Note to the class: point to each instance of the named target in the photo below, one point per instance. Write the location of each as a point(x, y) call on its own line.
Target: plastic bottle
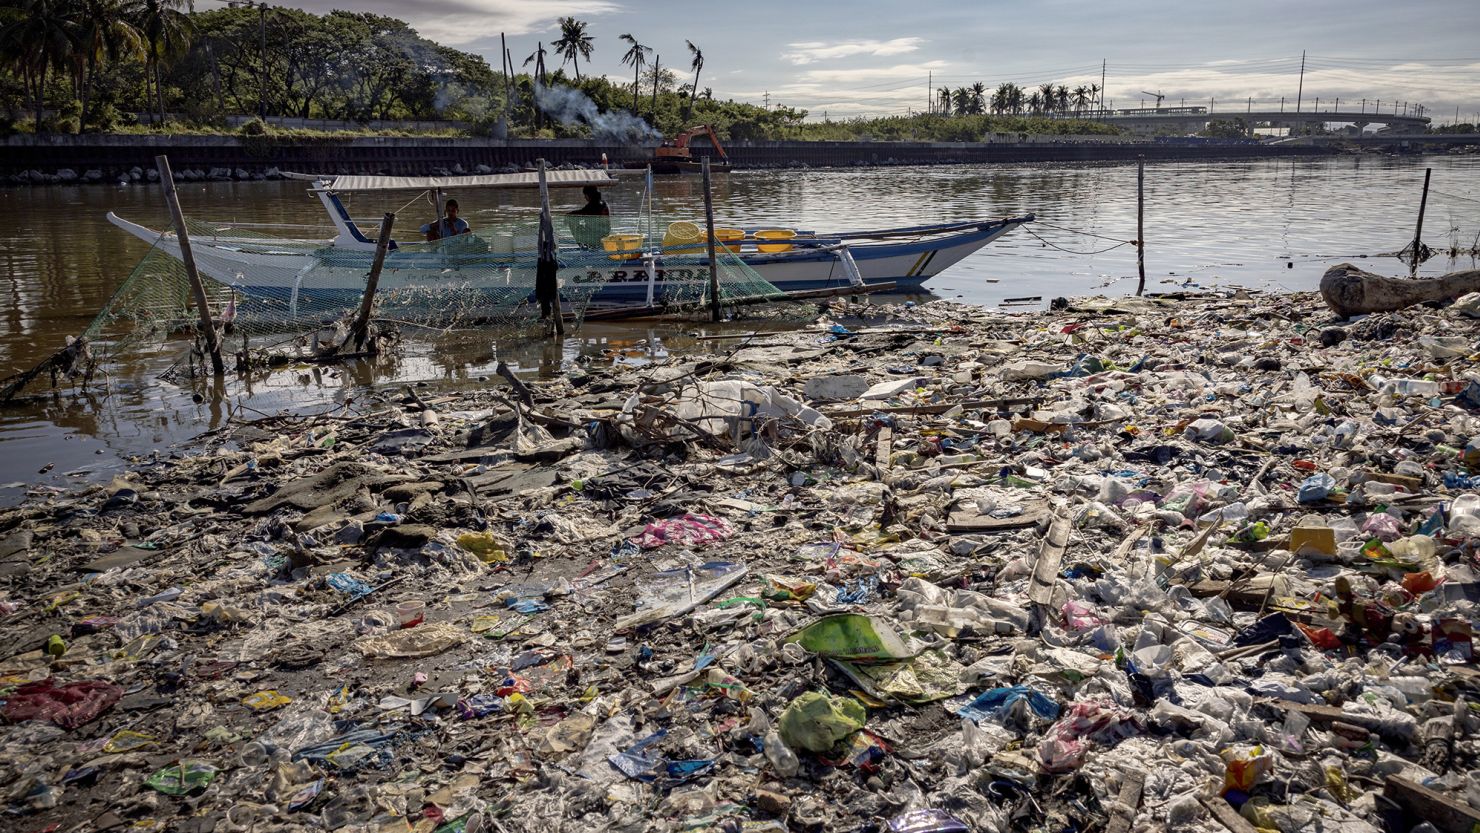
point(1414, 387)
point(782, 759)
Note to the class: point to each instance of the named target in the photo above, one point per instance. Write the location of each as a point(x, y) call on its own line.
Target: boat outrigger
point(624, 271)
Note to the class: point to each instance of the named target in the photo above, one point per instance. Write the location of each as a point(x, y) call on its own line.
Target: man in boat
point(450, 225)
point(592, 221)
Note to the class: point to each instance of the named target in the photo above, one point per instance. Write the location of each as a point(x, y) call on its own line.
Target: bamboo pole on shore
point(1141, 223)
point(361, 328)
point(713, 257)
point(197, 289)
point(1423, 203)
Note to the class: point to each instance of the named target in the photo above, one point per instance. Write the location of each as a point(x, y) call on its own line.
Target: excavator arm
point(682, 139)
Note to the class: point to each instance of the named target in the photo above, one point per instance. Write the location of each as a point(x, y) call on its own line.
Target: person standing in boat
point(450, 225)
point(592, 221)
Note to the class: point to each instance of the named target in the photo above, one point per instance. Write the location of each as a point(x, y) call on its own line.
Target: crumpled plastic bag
point(423, 641)
point(735, 407)
point(68, 706)
point(816, 721)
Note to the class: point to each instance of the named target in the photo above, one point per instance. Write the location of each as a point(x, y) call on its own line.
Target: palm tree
point(104, 33)
point(696, 64)
point(635, 57)
point(574, 43)
point(1000, 98)
point(167, 31)
point(38, 40)
point(1094, 94)
point(978, 98)
point(961, 98)
point(944, 96)
point(1061, 99)
point(1035, 103)
point(1045, 98)
point(1081, 99)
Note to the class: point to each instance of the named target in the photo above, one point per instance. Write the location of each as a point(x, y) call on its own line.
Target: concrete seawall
point(108, 157)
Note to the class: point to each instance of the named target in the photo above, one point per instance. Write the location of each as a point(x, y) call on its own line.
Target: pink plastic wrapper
point(1082, 726)
point(689, 530)
point(68, 706)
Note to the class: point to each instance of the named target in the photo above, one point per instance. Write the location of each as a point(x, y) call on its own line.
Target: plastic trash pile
point(1194, 564)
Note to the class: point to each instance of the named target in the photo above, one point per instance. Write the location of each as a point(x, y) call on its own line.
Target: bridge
point(1184, 120)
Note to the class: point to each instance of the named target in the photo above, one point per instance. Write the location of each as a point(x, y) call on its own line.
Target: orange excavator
point(674, 156)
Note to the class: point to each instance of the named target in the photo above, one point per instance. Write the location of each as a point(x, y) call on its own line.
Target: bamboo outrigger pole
point(198, 289)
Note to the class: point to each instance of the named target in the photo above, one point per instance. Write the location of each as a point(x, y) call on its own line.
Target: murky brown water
point(1207, 224)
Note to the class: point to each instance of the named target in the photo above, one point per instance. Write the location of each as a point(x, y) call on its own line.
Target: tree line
point(97, 65)
point(1047, 101)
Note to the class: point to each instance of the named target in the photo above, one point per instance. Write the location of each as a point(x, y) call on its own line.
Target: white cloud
point(809, 52)
point(459, 22)
point(871, 74)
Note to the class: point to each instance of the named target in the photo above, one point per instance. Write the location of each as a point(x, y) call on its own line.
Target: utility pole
point(766, 99)
point(1301, 91)
point(1103, 63)
point(930, 90)
point(657, 69)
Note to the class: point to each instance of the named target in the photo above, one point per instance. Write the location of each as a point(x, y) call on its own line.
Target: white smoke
point(569, 106)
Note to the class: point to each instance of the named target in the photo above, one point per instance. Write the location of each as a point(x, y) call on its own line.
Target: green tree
point(166, 31)
point(978, 98)
point(635, 57)
point(574, 43)
point(39, 40)
point(104, 34)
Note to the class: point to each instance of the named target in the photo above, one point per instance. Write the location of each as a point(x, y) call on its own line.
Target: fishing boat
point(634, 271)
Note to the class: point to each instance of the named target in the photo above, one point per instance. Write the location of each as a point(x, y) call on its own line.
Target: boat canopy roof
point(525, 179)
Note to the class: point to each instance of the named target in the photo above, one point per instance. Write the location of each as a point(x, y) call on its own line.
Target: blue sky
point(873, 58)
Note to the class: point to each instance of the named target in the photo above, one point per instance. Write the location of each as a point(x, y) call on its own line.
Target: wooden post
point(1418, 232)
point(1141, 223)
point(547, 227)
point(713, 256)
point(361, 328)
point(197, 289)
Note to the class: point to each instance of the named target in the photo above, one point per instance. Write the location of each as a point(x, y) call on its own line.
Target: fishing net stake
point(361, 327)
point(713, 258)
point(546, 281)
point(1140, 223)
point(198, 289)
point(1418, 246)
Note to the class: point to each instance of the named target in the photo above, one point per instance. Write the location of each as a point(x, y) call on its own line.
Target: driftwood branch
point(1350, 291)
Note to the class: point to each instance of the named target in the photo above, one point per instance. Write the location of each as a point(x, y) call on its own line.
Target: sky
point(874, 58)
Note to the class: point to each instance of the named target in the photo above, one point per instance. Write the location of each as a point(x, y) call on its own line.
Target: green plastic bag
point(817, 721)
point(852, 636)
point(181, 778)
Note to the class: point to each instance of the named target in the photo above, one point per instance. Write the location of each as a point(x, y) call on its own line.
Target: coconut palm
point(943, 101)
point(1045, 98)
point(978, 98)
point(635, 57)
point(1061, 99)
point(167, 31)
point(961, 99)
point(105, 32)
point(1094, 95)
point(574, 44)
point(696, 63)
point(38, 40)
point(1081, 99)
point(1035, 103)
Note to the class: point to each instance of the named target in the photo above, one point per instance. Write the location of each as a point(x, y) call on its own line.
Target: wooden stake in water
point(1423, 203)
point(197, 289)
point(713, 257)
point(1141, 223)
point(545, 261)
point(361, 328)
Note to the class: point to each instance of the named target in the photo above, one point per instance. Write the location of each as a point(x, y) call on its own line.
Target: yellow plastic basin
point(729, 238)
point(775, 234)
point(622, 246)
point(682, 237)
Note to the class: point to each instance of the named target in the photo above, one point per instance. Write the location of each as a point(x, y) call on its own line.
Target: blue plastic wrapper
point(684, 770)
point(927, 821)
point(1316, 487)
point(998, 700)
point(858, 591)
point(479, 705)
point(346, 583)
point(635, 763)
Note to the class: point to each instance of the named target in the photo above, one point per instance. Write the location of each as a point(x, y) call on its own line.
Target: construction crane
point(1156, 95)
